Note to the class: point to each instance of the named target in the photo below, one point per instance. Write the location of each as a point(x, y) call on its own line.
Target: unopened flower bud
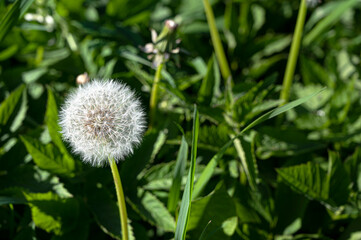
point(172, 25)
point(82, 78)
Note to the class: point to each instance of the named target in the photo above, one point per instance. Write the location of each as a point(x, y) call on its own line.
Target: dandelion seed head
point(102, 119)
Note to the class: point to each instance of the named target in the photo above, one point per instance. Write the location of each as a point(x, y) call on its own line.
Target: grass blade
point(275, 112)
point(184, 212)
point(328, 21)
point(16, 11)
point(208, 171)
point(180, 167)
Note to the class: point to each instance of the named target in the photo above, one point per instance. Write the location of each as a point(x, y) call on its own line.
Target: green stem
point(121, 199)
point(295, 47)
point(216, 40)
point(154, 94)
point(243, 18)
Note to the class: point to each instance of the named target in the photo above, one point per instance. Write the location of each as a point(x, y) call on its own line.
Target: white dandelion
point(101, 120)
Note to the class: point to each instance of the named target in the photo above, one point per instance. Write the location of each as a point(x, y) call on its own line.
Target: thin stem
point(216, 40)
point(121, 199)
point(154, 94)
point(295, 47)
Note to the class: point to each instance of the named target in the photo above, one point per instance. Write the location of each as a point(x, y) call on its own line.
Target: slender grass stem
point(295, 47)
point(154, 95)
point(216, 40)
point(121, 199)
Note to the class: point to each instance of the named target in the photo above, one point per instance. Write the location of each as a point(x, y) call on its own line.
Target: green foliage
point(257, 169)
point(185, 208)
point(9, 107)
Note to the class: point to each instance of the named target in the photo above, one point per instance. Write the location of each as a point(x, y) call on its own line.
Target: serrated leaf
point(48, 157)
point(309, 179)
point(154, 211)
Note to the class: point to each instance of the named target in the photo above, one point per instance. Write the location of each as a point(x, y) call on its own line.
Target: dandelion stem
point(154, 95)
point(216, 40)
point(121, 199)
point(295, 47)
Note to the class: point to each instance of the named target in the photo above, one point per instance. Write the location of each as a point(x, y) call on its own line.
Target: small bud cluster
point(162, 46)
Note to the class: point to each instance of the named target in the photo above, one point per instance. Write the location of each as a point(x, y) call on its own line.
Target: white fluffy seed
point(102, 119)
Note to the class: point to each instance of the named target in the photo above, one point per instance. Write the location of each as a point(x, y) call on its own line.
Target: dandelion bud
point(82, 78)
point(102, 119)
point(171, 25)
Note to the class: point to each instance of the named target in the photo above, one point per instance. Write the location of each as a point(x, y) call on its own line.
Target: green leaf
point(184, 211)
point(4, 200)
point(309, 179)
point(339, 180)
point(48, 157)
point(208, 171)
point(353, 168)
point(16, 11)
point(245, 150)
point(12, 195)
point(217, 207)
point(9, 106)
point(81, 227)
point(53, 214)
point(137, 162)
point(211, 166)
point(51, 119)
point(329, 20)
point(8, 52)
point(105, 211)
point(290, 207)
point(206, 92)
point(153, 210)
point(286, 141)
point(179, 170)
point(275, 112)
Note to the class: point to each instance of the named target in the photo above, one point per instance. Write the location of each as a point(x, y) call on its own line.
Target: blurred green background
point(297, 176)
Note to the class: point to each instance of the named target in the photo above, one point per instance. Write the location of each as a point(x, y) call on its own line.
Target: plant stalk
point(292, 59)
point(216, 40)
point(121, 199)
point(154, 94)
